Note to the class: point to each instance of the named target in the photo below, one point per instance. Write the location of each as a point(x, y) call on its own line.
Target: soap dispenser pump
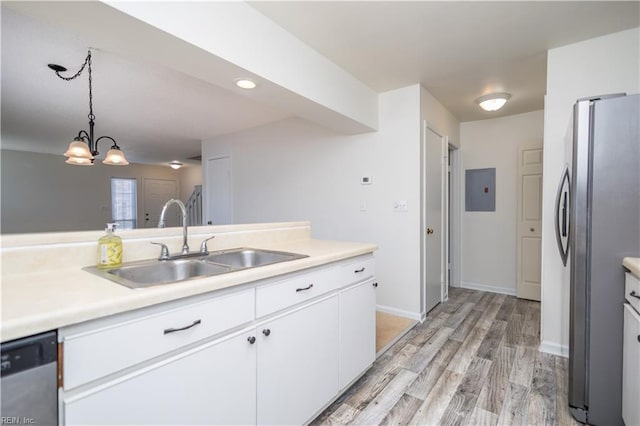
point(109, 248)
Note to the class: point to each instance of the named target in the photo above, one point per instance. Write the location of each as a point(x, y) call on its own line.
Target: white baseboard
point(490, 289)
point(554, 349)
point(398, 312)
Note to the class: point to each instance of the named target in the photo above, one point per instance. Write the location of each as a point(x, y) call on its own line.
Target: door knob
point(531, 229)
point(251, 340)
point(266, 332)
point(429, 231)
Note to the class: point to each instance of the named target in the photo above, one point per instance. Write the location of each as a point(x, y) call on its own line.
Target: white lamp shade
point(115, 157)
point(79, 161)
point(175, 165)
point(78, 149)
point(493, 102)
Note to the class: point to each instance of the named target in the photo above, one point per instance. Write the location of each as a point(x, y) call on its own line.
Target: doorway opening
point(440, 218)
point(217, 191)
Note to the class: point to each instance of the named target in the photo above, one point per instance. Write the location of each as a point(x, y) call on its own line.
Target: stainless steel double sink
point(147, 273)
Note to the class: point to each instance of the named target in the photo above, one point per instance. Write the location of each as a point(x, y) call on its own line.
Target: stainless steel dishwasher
point(29, 380)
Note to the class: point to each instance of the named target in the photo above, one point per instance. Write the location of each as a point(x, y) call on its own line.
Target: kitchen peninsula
point(241, 347)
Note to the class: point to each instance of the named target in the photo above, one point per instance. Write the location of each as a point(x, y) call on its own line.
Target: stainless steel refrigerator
point(597, 225)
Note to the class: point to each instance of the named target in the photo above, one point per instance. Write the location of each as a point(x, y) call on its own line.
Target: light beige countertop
point(34, 302)
point(633, 265)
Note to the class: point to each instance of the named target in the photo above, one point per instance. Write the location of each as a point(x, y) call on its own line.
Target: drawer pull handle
point(251, 340)
point(266, 332)
point(173, 330)
point(359, 270)
point(304, 288)
point(375, 285)
point(634, 294)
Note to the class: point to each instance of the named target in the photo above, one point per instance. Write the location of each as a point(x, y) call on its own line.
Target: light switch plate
point(401, 206)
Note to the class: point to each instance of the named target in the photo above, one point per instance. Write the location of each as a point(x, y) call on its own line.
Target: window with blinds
point(124, 205)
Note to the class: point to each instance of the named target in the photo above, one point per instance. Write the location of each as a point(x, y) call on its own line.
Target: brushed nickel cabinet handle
point(359, 270)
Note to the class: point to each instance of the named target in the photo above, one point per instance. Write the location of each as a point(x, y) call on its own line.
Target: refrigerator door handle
point(563, 203)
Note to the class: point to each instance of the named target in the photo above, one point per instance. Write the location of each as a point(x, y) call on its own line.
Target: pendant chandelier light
point(84, 148)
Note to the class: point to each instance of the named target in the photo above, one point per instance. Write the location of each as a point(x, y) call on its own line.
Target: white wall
point(296, 170)
point(189, 176)
point(438, 117)
point(598, 66)
point(488, 239)
point(41, 193)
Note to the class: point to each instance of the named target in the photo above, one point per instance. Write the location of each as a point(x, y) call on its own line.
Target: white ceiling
point(457, 50)
point(156, 114)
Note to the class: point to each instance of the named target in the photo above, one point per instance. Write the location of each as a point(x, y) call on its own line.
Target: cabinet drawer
point(93, 353)
point(632, 290)
point(277, 296)
point(358, 270)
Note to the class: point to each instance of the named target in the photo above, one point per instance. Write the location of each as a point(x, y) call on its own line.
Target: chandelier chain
point(87, 62)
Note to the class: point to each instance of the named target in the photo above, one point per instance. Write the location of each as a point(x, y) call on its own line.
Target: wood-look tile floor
point(474, 361)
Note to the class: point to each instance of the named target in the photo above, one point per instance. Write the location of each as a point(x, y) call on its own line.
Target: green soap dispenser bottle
point(109, 248)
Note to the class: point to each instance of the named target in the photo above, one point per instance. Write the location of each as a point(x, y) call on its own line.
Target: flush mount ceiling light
point(175, 165)
point(493, 102)
point(83, 148)
point(245, 83)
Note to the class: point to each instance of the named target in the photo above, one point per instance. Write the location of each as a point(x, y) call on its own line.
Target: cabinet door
point(211, 384)
point(298, 363)
point(357, 331)
point(631, 367)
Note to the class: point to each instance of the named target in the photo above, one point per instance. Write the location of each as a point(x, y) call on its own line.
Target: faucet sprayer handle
point(164, 251)
point(203, 246)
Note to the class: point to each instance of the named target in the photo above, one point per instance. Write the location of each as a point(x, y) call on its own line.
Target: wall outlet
point(401, 206)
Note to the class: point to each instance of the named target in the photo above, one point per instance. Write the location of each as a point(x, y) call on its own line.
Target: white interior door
point(529, 223)
point(218, 191)
point(435, 149)
point(156, 193)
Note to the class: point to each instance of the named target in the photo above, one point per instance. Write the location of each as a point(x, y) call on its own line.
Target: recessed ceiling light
point(493, 102)
point(175, 165)
point(245, 83)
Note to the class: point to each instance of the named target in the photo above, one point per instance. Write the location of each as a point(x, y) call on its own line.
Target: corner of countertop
point(633, 265)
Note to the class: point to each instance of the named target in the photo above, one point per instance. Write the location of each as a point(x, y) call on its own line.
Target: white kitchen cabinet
point(357, 330)
point(631, 367)
point(101, 347)
point(272, 352)
point(214, 383)
point(298, 363)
